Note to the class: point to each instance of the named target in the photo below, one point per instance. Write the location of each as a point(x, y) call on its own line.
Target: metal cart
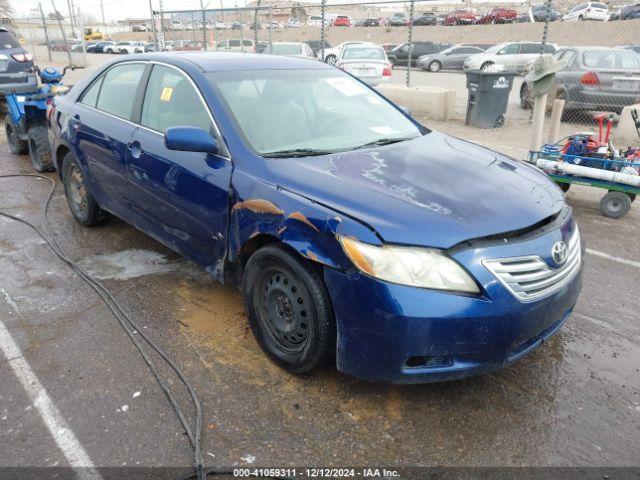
point(561, 168)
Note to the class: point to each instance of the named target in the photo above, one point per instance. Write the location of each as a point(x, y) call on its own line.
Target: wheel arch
point(60, 153)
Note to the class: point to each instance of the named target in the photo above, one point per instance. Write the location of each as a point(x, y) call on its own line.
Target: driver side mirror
point(190, 139)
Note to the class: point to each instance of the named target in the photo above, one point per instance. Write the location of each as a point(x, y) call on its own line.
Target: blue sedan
point(357, 236)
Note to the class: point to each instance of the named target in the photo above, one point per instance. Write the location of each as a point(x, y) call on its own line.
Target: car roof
point(229, 61)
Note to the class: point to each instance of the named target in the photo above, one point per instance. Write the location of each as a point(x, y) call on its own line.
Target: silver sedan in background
point(450, 59)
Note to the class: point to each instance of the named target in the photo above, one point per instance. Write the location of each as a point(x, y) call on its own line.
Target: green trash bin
point(488, 98)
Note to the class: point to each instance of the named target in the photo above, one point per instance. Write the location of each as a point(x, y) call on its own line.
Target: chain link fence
point(431, 45)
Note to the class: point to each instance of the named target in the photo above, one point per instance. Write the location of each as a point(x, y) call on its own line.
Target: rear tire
point(289, 310)
point(17, 146)
point(615, 204)
point(83, 206)
point(39, 149)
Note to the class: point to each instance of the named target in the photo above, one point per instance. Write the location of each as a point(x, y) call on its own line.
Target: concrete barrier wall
point(432, 102)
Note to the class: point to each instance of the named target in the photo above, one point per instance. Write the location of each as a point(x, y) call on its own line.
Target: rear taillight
point(22, 57)
point(386, 71)
point(590, 79)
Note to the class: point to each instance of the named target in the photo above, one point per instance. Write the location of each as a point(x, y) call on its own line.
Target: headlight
point(412, 266)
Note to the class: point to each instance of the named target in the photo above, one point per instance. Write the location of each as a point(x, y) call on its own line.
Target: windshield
point(364, 53)
point(319, 110)
point(284, 49)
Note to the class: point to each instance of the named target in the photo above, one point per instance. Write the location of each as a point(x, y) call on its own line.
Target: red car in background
point(459, 17)
point(499, 15)
point(342, 21)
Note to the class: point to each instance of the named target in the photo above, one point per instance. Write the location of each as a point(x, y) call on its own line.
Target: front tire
point(39, 149)
point(289, 310)
point(330, 59)
point(435, 66)
point(17, 146)
point(83, 206)
point(485, 66)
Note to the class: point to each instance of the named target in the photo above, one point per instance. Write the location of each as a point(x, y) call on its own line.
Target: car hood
point(432, 191)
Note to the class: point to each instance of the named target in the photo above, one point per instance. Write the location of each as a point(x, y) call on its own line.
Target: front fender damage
point(312, 229)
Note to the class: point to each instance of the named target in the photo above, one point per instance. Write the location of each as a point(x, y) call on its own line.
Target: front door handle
point(135, 148)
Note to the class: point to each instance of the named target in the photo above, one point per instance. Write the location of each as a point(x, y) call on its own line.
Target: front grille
point(530, 278)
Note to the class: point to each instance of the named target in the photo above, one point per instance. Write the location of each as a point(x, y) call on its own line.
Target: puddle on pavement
point(212, 315)
point(128, 264)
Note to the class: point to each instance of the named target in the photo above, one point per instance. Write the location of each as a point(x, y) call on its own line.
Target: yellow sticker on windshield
point(165, 96)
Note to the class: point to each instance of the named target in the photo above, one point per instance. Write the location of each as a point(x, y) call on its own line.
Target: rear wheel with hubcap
point(17, 146)
point(289, 310)
point(39, 149)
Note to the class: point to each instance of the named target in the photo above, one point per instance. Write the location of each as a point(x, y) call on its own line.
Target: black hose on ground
point(127, 324)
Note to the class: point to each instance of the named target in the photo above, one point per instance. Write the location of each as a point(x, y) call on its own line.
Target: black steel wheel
point(615, 204)
point(39, 149)
point(289, 310)
point(83, 206)
point(17, 146)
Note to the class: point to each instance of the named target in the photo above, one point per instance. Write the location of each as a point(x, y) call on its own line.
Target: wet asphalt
point(573, 402)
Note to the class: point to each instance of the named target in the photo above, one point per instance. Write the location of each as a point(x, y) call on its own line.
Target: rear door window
point(171, 100)
point(119, 88)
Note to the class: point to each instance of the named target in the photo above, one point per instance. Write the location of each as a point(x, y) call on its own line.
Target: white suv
point(588, 11)
point(130, 47)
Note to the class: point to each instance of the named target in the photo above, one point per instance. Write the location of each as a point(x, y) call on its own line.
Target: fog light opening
point(425, 361)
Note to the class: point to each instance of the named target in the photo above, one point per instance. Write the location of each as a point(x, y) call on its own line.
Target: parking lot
point(573, 402)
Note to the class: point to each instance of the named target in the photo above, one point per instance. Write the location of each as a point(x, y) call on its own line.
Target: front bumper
point(399, 334)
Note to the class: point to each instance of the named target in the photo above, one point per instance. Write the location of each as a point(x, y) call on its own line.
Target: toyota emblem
point(559, 252)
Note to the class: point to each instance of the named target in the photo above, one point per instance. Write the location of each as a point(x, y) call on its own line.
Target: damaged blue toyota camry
point(357, 236)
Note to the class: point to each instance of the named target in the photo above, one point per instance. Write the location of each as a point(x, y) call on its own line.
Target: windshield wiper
point(383, 141)
point(296, 152)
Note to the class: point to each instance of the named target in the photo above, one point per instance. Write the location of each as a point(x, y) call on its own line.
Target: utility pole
point(70, 8)
point(204, 26)
point(46, 32)
point(153, 27)
point(102, 12)
point(84, 46)
point(64, 35)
